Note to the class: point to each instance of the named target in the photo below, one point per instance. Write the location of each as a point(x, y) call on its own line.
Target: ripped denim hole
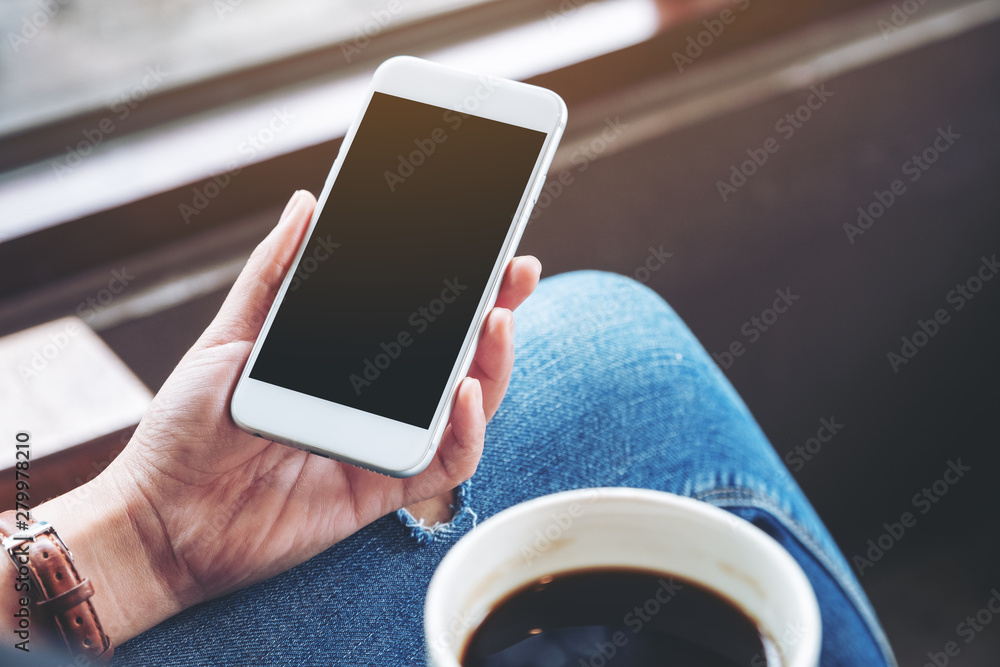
point(463, 520)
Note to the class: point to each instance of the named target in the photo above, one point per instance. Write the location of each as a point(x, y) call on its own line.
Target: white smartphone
point(378, 318)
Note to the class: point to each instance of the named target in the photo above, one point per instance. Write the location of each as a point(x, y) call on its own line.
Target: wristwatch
point(57, 592)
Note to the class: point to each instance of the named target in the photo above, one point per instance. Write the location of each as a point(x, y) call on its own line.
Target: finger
point(494, 359)
point(519, 282)
point(460, 449)
point(460, 456)
point(245, 309)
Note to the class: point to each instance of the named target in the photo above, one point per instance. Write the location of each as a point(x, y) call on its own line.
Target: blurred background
point(842, 153)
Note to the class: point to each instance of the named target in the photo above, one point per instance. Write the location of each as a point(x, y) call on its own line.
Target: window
point(111, 101)
point(66, 57)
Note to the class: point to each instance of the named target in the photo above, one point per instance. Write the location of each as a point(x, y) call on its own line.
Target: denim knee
point(606, 293)
point(601, 318)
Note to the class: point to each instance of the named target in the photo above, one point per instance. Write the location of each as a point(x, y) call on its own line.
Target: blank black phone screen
point(390, 279)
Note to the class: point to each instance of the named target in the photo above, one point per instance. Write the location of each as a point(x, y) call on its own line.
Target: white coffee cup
point(631, 528)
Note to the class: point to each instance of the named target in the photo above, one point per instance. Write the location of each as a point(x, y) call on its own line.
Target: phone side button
point(538, 189)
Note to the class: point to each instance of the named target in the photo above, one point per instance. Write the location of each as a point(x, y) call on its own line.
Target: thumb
point(243, 313)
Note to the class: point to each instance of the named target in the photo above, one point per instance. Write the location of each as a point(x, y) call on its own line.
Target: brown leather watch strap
point(58, 592)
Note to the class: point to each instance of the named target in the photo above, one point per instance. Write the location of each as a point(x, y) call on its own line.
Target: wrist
point(111, 531)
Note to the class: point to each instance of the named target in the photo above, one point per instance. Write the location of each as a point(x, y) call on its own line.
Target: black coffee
point(615, 618)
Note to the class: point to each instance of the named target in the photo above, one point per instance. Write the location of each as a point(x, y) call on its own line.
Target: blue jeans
point(610, 388)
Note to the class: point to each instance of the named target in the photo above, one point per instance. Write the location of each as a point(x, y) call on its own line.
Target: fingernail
point(498, 313)
point(290, 205)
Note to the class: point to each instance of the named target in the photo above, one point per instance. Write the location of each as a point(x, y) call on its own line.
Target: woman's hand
point(194, 507)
